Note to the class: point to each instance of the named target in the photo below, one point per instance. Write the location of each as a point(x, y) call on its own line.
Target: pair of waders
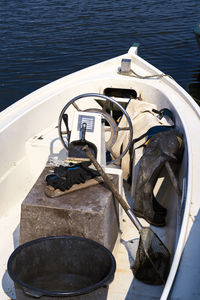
point(161, 148)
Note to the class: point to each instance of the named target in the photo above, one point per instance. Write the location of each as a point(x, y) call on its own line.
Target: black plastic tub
point(60, 267)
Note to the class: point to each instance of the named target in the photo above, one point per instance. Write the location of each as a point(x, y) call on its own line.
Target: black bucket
point(60, 267)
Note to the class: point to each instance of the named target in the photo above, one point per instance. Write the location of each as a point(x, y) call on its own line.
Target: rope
point(156, 76)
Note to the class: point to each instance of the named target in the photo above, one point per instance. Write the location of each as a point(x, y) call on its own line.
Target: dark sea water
point(43, 40)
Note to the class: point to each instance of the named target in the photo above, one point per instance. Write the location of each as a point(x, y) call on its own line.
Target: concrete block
point(91, 213)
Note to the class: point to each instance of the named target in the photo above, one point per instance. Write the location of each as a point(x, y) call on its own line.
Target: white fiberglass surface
point(9, 230)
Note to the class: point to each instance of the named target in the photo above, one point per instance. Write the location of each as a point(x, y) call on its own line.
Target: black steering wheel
point(114, 129)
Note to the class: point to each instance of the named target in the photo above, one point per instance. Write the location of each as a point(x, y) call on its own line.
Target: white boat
point(29, 139)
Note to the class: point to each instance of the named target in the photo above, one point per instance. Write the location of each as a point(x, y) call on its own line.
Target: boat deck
point(124, 286)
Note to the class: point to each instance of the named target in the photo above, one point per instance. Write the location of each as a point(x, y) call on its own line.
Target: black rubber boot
point(155, 219)
point(162, 147)
point(158, 207)
point(146, 209)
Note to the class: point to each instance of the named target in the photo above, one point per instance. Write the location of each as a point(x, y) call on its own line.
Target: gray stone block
point(91, 213)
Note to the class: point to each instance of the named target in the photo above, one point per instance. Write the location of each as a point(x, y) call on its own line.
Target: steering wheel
point(114, 129)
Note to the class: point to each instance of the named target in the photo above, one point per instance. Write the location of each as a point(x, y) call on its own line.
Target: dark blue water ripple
point(43, 40)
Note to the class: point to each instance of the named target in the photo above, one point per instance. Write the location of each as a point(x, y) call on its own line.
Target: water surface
point(43, 40)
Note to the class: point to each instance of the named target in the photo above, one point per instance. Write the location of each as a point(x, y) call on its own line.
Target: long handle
point(83, 131)
point(115, 192)
point(65, 119)
point(175, 184)
point(173, 179)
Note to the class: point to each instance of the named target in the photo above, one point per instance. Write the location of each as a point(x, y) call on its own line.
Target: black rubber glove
point(74, 170)
point(79, 174)
point(57, 182)
point(64, 177)
point(61, 171)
